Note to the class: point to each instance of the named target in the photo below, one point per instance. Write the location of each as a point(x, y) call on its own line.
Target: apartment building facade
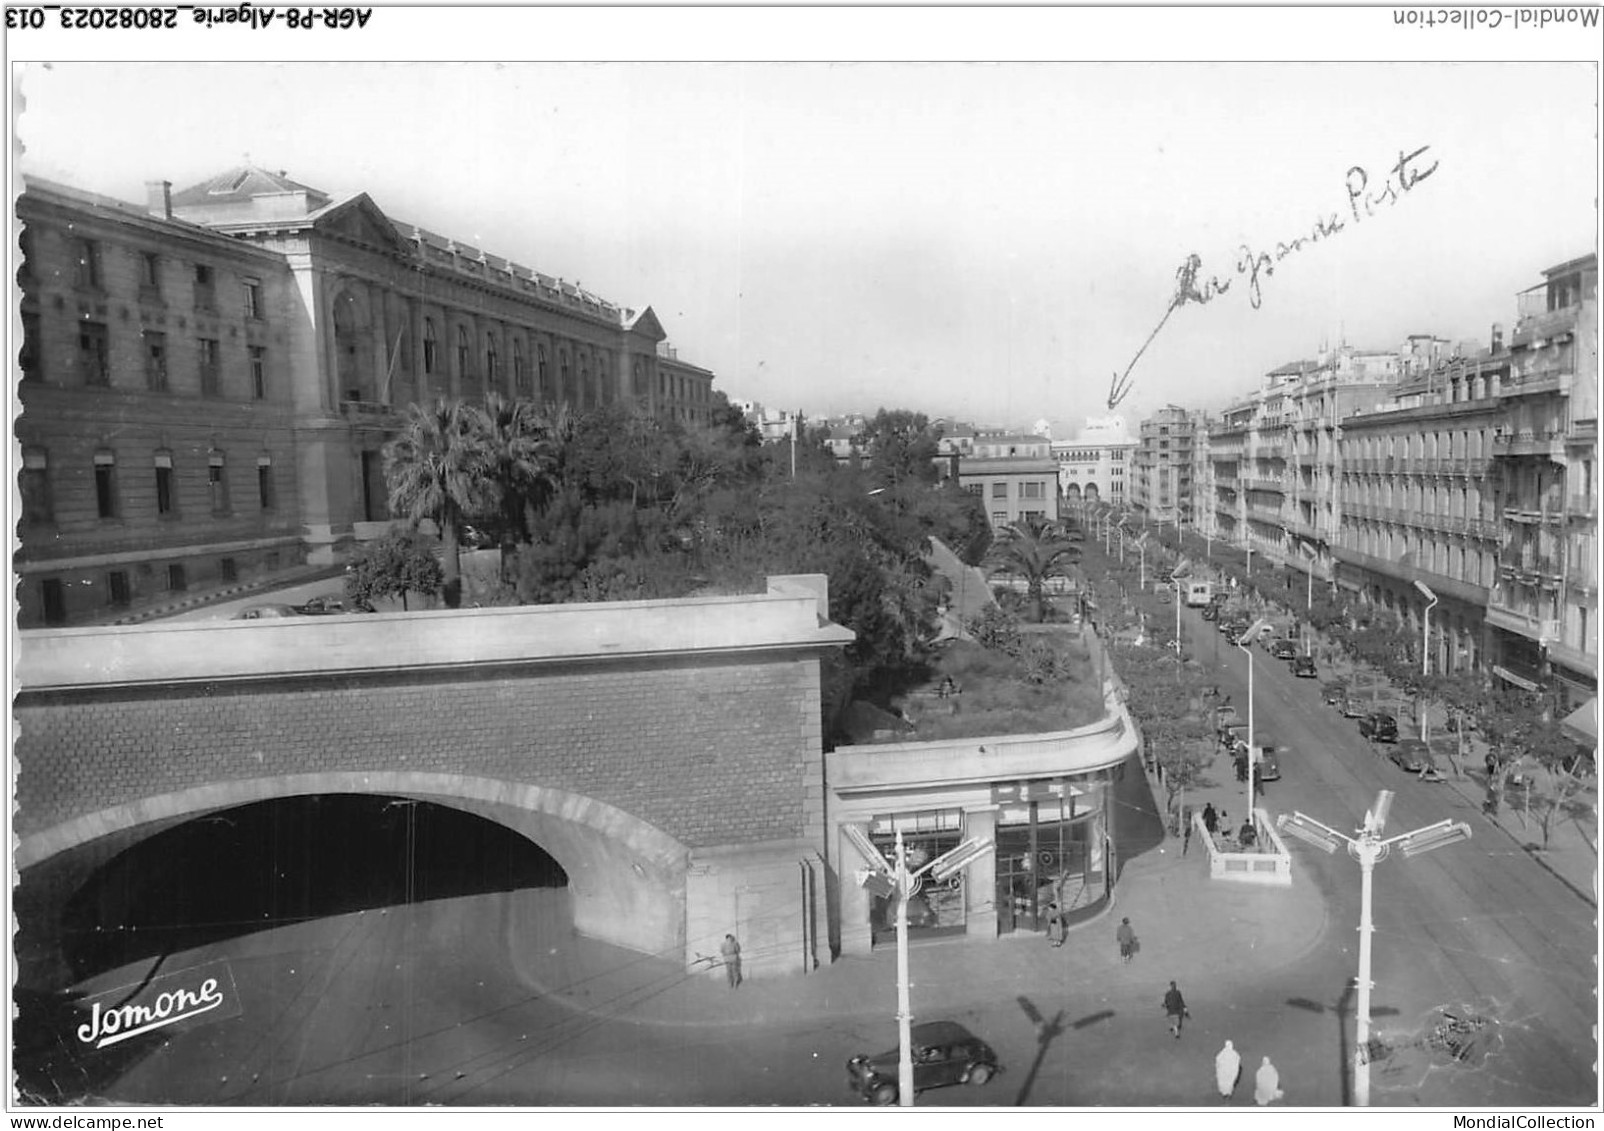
point(1543, 604)
point(1161, 470)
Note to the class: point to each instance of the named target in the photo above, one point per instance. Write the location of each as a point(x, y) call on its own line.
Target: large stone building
point(208, 380)
point(1094, 467)
point(1013, 475)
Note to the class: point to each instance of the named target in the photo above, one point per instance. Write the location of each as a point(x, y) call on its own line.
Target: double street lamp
point(888, 882)
point(1369, 848)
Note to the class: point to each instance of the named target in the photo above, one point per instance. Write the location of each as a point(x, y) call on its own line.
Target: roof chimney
point(1498, 338)
point(159, 198)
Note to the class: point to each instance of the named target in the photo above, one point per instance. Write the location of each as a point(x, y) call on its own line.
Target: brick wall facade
point(712, 754)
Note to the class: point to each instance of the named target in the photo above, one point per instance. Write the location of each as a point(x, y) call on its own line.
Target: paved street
point(490, 999)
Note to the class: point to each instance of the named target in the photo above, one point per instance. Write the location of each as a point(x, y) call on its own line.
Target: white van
point(1198, 594)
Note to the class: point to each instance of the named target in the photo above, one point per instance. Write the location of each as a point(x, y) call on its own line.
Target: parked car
point(1303, 667)
point(1284, 649)
point(1224, 714)
point(1211, 612)
point(1415, 756)
point(944, 1052)
point(1334, 692)
point(1378, 726)
point(266, 612)
point(1268, 766)
point(327, 604)
point(1355, 707)
point(1164, 597)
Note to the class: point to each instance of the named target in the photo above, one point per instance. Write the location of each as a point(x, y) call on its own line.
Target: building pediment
point(358, 220)
point(646, 324)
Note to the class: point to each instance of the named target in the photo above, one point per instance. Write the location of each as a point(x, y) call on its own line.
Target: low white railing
point(1268, 862)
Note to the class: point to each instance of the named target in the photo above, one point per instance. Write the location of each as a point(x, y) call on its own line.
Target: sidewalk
point(1190, 928)
point(1572, 852)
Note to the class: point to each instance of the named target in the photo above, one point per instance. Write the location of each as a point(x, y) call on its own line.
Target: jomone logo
point(170, 999)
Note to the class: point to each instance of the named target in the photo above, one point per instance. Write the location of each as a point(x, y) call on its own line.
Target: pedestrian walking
point(731, 952)
point(1211, 819)
point(1227, 1070)
point(1267, 1084)
point(1055, 926)
point(1186, 836)
point(1126, 936)
point(1175, 1009)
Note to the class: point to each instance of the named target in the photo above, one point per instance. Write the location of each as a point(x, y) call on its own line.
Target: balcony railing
point(1528, 442)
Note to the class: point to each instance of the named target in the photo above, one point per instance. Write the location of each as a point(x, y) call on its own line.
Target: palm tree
point(522, 447)
point(1034, 551)
point(439, 468)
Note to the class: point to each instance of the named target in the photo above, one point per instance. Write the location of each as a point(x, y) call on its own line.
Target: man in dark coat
point(1211, 819)
point(1175, 1009)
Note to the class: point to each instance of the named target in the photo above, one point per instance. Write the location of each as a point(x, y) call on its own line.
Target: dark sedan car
point(1334, 692)
point(327, 604)
point(1378, 726)
point(1415, 756)
point(267, 612)
point(1284, 649)
point(1303, 667)
point(944, 1052)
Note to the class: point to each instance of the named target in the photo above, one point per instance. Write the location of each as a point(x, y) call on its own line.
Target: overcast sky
point(992, 241)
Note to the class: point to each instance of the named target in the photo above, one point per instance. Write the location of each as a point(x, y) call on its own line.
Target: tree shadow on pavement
point(1047, 1031)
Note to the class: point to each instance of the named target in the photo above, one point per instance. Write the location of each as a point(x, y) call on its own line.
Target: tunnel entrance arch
point(626, 877)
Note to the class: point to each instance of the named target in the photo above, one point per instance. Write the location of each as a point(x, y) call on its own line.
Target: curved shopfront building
point(1044, 801)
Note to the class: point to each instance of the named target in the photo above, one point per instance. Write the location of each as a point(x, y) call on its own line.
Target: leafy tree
point(439, 469)
point(1034, 552)
point(523, 446)
point(399, 562)
point(901, 446)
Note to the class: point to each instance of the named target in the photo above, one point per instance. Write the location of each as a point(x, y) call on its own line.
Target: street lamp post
point(1425, 627)
point(899, 883)
point(1368, 848)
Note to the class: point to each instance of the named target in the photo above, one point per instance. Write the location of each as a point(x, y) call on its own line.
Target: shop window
point(176, 580)
point(227, 570)
point(117, 592)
